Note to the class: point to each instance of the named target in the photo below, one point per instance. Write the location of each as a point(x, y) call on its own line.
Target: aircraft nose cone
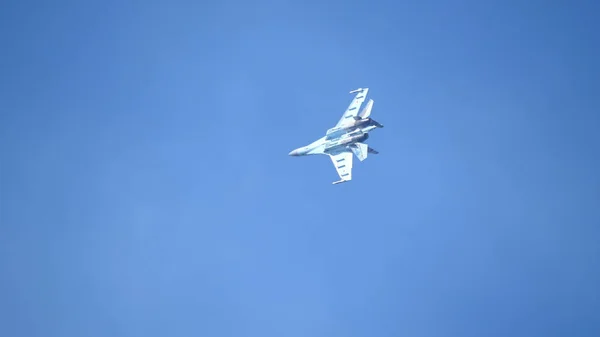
point(293, 153)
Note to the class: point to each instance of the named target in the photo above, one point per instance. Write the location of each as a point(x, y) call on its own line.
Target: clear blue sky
point(146, 188)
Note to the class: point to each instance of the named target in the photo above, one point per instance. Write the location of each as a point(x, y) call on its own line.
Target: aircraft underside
point(346, 138)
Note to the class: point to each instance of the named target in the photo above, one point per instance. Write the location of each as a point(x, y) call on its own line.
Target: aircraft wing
point(343, 165)
point(353, 108)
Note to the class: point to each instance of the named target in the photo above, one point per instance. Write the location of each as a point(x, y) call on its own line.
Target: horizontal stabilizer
point(372, 150)
point(366, 111)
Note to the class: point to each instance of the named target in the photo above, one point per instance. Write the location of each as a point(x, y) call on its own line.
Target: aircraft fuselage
point(341, 130)
point(345, 140)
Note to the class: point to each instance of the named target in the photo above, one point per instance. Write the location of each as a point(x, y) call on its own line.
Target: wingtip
point(357, 90)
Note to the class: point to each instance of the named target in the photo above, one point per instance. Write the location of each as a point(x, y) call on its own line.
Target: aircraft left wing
point(343, 165)
point(353, 108)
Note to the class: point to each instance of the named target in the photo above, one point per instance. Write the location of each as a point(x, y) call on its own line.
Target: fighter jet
point(346, 137)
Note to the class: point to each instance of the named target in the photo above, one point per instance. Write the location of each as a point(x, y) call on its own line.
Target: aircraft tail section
point(366, 111)
point(372, 150)
point(376, 123)
point(360, 150)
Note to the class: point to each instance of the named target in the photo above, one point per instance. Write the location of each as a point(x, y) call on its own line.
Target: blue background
point(146, 188)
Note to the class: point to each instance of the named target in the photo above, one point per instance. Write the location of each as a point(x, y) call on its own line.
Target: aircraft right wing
point(352, 110)
point(343, 165)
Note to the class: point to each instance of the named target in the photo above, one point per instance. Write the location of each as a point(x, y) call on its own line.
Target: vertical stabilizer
point(360, 150)
point(366, 111)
